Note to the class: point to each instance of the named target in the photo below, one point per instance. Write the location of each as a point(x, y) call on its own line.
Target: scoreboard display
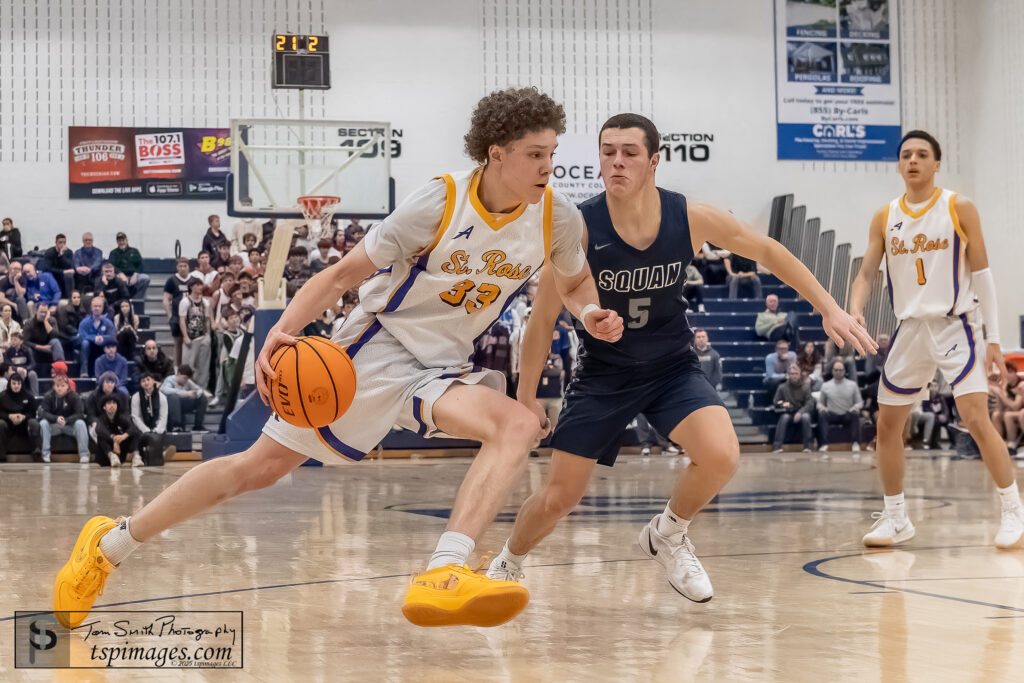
point(301, 61)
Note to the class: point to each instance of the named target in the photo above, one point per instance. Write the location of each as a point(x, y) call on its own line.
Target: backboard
point(275, 161)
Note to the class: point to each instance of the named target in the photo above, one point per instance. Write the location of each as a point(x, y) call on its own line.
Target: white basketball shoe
point(1011, 530)
point(890, 529)
point(685, 572)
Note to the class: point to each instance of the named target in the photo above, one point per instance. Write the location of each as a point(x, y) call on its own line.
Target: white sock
point(118, 543)
point(509, 558)
point(452, 548)
point(670, 523)
point(896, 505)
point(1010, 496)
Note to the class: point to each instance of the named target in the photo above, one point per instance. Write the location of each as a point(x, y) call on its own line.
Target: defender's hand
point(263, 371)
point(841, 327)
point(604, 324)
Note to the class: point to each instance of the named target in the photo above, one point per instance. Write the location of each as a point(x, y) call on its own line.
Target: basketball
point(315, 382)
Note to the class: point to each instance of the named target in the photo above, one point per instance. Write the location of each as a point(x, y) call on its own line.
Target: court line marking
point(812, 568)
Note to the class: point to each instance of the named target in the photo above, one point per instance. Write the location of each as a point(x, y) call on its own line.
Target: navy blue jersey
point(644, 287)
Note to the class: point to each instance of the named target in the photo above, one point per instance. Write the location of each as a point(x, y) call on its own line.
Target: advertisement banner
point(148, 163)
point(837, 80)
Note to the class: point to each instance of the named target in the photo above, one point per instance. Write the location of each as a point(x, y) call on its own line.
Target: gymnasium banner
point(148, 163)
point(837, 80)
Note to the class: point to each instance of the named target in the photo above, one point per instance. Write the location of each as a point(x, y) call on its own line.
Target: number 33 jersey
point(926, 259)
point(449, 268)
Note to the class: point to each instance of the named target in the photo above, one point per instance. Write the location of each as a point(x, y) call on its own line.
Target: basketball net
point(318, 211)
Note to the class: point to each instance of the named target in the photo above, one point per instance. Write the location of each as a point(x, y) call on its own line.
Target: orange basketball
point(315, 382)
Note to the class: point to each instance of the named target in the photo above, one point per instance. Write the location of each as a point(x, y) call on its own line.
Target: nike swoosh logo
point(651, 545)
point(598, 247)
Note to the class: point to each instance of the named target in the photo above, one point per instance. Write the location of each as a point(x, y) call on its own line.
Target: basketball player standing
point(938, 278)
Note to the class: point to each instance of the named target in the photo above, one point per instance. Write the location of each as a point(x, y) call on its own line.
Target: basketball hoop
point(318, 211)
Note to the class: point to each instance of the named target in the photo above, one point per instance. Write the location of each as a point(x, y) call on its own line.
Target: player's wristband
point(985, 286)
point(589, 308)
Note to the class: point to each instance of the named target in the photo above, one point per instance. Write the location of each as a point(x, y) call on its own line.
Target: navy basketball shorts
point(599, 406)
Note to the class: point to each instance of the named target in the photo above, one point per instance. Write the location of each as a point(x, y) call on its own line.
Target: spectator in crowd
point(711, 264)
point(549, 390)
point(117, 438)
point(220, 258)
point(839, 403)
point(112, 288)
point(175, 289)
point(795, 406)
point(1010, 406)
point(112, 362)
point(190, 399)
point(196, 323)
point(18, 418)
point(40, 335)
point(87, 262)
point(70, 316)
point(94, 332)
point(59, 261)
point(245, 234)
point(257, 264)
point(302, 239)
point(920, 423)
point(340, 242)
point(809, 360)
point(19, 360)
point(937, 407)
point(710, 360)
point(106, 386)
point(741, 271)
point(693, 288)
point(235, 266)
point(649, 437)
point(249, 243)
point(776, 365)
point(149, 413)
point(154, 361)
point(297, 272)
point(206, 274)
point(355, 230)
point(225, 341)
point(874, 361)
point(12, 291)
point(128, 264)
point(8, 325)
point(847, 355)
point(214, 237)
point(61, 413)
point(222, 297)
point(10, 240)
point(248, 371)
point(772, 324)
point(324, 251)
point(321, 327)
point(127, 325)
point(247, 287)
point(40, 288)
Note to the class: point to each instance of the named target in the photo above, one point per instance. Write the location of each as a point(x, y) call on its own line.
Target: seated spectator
point(127, 325)
point(190, 399)
point(355, 231)
point(175, 289)
point(776, 365)
point(297, 272)
point(321, 327)
point(40, 288)
point(206, 274)
point(339, 242)
point(225, 341)
point(214, 237)
point(112, 288)
point(8, 325)
point(809, 360)
point(549, 389)
point(711, 264)
point(772, 324)
point(693, 288)
point(302, 238)
point(920, 423)
point(69, 316)
point(18, 418)
point(795, 406)
point(322, 257)
point(128, 264)
point(196, 323)
point(112, 362)
point(741, 271)
point(117, 438)
point(875, 361)
point(40, 335)
point(220, 258)
point(847, 355)
point(19, 360)
point(59, 261)
point(937, 407)
point(106, 386)
point(153, 361)
point(12, 291)
point(245, 234)
point(710, 360)
point(94, 332)
point(10, 240)
point(87, 261)
point(61, 412)
point(839, 403)
point(149, 413)
point(1011, 407)
point(249, 245)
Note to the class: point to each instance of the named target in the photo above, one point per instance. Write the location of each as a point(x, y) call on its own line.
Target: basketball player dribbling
point(938, 277)
point(438, 271)
point(640, 238)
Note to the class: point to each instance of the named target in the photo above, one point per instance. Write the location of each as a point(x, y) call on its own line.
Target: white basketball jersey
point(438, 303)
point(926, 259)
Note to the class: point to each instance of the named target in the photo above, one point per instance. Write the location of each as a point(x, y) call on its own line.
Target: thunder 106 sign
point(148, 163)
point(837, 79)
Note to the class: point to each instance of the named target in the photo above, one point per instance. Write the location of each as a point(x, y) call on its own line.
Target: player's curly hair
point(507, 115)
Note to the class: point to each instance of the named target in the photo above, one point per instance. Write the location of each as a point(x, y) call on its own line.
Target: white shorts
point(952, 344)
point(392, 388)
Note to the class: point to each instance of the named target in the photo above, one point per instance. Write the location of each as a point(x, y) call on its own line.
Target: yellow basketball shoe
point(81, 580)
point(456, 596)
